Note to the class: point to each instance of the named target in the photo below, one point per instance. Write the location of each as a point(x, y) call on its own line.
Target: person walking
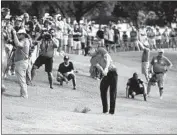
point(159, 67)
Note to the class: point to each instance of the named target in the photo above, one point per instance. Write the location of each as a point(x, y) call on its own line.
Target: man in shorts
point(159, 66)
point(135, 86)
point(48, 44)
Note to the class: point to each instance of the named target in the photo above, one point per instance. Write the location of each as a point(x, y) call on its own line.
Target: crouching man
point(66, 72)
point(135, 86)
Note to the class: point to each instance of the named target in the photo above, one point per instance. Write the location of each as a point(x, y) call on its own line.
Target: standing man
point(66, 72)
point(100, 36)
point(134, 39)
point(48, 44)
point(22, 44)
point(158, 38)
point(159, 66)
point(145, 60)
point(109, 71)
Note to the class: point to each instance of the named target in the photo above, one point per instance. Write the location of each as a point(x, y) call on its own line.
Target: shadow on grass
point(10, 95)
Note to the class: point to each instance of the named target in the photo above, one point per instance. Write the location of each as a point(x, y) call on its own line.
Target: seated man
point(66, 72)
point(135, 86)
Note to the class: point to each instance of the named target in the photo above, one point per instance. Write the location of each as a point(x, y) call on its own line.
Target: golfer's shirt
point(47, 48)
point(160, 64)
point(105, 59)
point(22, 53)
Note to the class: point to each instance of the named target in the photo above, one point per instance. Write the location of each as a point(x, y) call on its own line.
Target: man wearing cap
point(66, 72)
point(159, 66)
point(135, 86)
point(145, 60)
point(28, 24)
point(109, 71)
point(22, 45)
point(59, 24)
point(48, 44)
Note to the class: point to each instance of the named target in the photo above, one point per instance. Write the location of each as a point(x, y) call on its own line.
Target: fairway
point(53, 111)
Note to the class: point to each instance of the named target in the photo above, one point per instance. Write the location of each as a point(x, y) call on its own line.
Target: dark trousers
point(109, 80)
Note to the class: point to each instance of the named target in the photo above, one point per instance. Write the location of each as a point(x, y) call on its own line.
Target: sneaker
point(13, 73)
point(161, 97)
point(144, 97)
point(24, 96)
point(74, 88)
point(111, 113)
point(9, 73)
point(61, 83)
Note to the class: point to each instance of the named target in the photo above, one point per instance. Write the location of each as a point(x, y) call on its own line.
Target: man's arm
point(72, 69)
point(55, 42)
point(127, 88)
point(151, 65)
point(16, 41)
point(169, 63)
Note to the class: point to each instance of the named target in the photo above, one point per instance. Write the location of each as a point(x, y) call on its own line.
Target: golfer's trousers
point(109, 80)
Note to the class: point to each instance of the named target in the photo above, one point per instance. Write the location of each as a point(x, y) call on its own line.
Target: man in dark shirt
point(135, 86)
point(100, 36)
point(125, 41)
point(66, 72)
point(28, 24)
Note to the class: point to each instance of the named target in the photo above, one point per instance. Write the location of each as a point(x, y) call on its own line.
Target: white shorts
point(65, 40)
point(77, 45)
point(70, 42)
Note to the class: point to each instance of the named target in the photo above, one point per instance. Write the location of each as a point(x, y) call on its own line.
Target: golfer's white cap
point(161, 50)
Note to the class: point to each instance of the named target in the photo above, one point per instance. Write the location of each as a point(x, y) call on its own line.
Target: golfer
point(109, 72)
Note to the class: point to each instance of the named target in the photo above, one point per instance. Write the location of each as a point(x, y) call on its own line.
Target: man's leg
point(50, 77)
point(20, 69)
point(73, 78)
point(160, 84)
point(28, 73)
point(103, 91)
point(113, 91)
point(149, 87)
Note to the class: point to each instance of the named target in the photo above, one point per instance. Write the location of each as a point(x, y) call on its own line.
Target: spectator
point(159, 66)
point(135, 86)
point(66, 72)
point(134, 39)
point(100, 36)
point(76, 38)
point(158, 38)
point(48, 44)
point(125, 41)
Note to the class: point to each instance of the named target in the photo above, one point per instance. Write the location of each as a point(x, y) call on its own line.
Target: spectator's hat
point(34, 17)
point(66, 57)
point(22, 31)
point(81, 22)
point(7, 17)
point(161, 51)
point(26, 15)
point(18, 18)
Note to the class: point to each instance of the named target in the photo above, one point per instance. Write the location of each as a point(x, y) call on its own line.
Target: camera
point(47, 36)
